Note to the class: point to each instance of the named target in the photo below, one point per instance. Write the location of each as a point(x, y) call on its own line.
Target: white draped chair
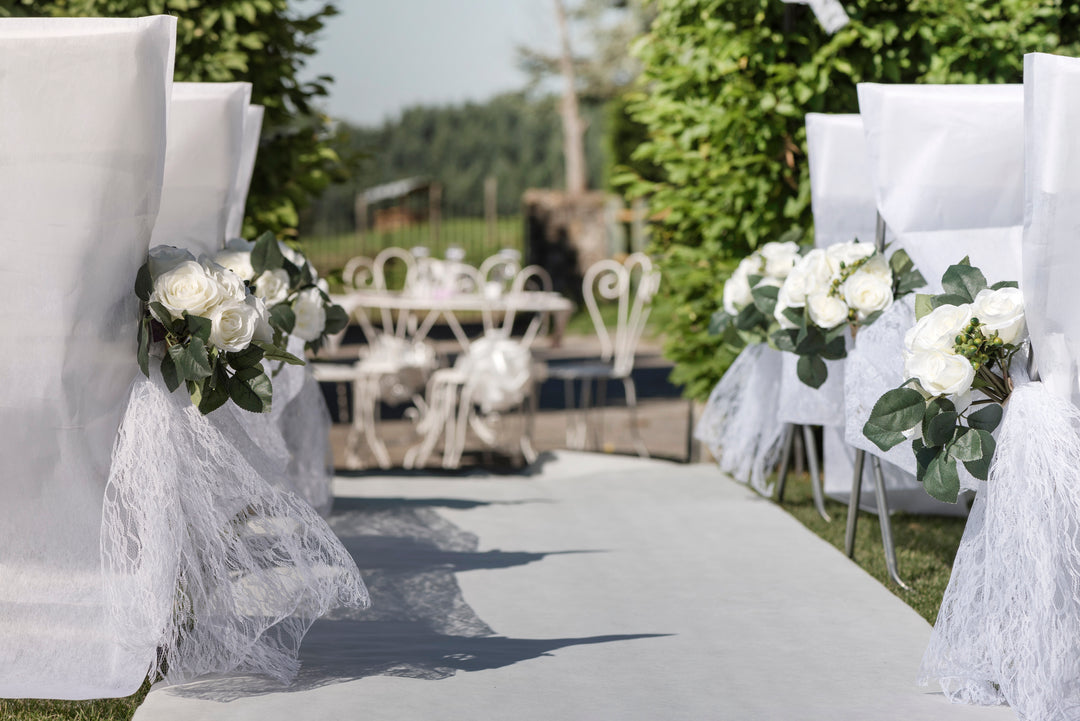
point(1009, 624)
point(82, 132)
point(253, 120)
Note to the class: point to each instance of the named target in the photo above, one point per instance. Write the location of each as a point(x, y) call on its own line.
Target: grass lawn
point(111, 709)
point(925, 545)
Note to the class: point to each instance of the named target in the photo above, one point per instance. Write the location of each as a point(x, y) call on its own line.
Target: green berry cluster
point(846, 271)
point(980, 349)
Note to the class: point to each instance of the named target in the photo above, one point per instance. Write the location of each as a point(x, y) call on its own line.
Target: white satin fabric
point(206, 141)
point(1009, 623)
point(82, 136)
point(253, 118)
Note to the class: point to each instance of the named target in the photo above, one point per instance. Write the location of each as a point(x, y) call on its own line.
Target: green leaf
point(967, 446)
point(192, 363)
point(169, 374)
point(987, 418)
point(939, 429)
point(248, 358)
point(784, 340)
point(214, 391)
point(765, 299)
point(909, 282)
point(963, 280)
point(900, 409)
point(749, 318)
point(283, 318)
point(900, 262)
point(812, 370)
point(162, 315)
point(923, 305)
point(198, 326)
point(981, 467)
point(810, 341)
point(924, 455)
point(251, 390)
point(948, 299)
point(144, 346)
point(336, 319)
point(266, 255)
point(276, 353)
point(941, 479)
point(144, 284)
point(880, 437)
point(835, 349)
point(1005, 284)
point(794, 315)
point(718, 323)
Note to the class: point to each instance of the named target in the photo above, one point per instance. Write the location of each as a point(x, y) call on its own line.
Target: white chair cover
point(947, 163)
point(1009, 624)
point(206, 141)
point(82, 134)
point(253, 119)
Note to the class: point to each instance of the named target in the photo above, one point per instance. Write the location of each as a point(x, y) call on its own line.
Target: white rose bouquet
point(957, 358)
point(214, 331)
point(831, 291)
point(750, 293)
point(298, 300)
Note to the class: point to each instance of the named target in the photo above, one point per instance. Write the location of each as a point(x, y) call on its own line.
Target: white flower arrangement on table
point(215, 333)
point(832, 291)
point(961, 346)
point(298, 300)
point(750, 293)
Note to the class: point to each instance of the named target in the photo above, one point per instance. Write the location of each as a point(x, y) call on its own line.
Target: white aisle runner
point(599, 588)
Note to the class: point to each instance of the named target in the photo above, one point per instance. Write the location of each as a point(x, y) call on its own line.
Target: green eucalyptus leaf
point(986, 418)
point(923, 305)
point(765, 299)
point(718, 323)
point(784, 340)
point(900, 409)
point(909, 282)
point(282, 317)
point(794, 315)
point(941, 479)
point(812, 370)
point(963, 280)
point(900, 262)
point(144, 284)
point(266, 255)
point(835, 349)
point(749, 318)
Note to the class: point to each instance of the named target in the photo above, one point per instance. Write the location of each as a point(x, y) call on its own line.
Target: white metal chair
point(631, 285)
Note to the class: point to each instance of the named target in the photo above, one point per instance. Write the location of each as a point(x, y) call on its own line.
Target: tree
point(573, 128)
point(262, 42)
point(725, 89)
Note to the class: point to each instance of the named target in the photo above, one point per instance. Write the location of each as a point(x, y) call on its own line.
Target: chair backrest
point(206, 140)
point(531, 278)
point(947, 163)
point(1051, 246)
point(253, 119)
point(631, 285)
point(83, 113)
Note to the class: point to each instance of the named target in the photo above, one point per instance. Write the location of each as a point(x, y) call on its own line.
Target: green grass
point(925, 545)
point(109, 709)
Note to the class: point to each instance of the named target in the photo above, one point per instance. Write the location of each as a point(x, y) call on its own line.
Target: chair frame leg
point(884, 519)
point(598, 415)
point(631, 403)
point(815, 471)
point(785, 461)
point(853, 503)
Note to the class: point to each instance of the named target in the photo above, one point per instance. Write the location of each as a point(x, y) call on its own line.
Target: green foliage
point(263, 42)
point(726, 86)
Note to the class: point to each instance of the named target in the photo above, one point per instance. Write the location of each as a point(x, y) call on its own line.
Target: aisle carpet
point(595, 588)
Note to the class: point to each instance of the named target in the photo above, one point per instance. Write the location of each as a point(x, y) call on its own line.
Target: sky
point(386, 55)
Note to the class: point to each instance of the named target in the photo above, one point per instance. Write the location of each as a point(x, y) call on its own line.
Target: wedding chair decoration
point(1007, 628)
point(740, 424)
point(495, 374)
point(253, 119)
point(83, 106)
point(631, 285)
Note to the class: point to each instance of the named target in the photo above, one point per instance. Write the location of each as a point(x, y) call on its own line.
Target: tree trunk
point(573, 127)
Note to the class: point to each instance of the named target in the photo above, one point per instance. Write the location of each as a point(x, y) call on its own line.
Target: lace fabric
point(740, 424)
point(220, 568)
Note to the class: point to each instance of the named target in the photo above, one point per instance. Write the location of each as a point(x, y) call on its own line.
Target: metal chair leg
point(886, 523)
point(598, 416)
point(631, 404)
point(586, 406)
point(575, 435)
point(815, 472)
point(853, 503)
point(785, 461)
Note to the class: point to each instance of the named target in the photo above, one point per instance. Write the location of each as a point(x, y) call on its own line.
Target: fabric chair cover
point(947, 163)
point(1009, 622)
point(253, 119)
point(206, 142)
point(83, 107)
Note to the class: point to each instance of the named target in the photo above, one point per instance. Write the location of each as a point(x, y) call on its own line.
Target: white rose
point(867, 293)
point(188, 287)
point(231, 283)
point(310, 315)
point(778, 313)
point(240, 244)
point(232, 326)
point(163, 258)
point(272, 286)
point(847, 253)
point(817, 269)
point(937, 330)
point(779, 258)
point(940, 373)
point(737, 293)
point(826, 311)
point(1002, 311)
point(322, 285)
point(878, 267)
point(238, 261)
point(263, 330)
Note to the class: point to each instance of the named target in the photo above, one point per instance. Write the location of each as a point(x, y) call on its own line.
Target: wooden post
point(491, 211)
point(434, 214)
point(573, 126)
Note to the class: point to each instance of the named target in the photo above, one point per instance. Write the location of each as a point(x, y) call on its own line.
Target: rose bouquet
point(832, 291)
point(750, 293)
point(298, 300)
point(957, 358)
point(214, 331)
